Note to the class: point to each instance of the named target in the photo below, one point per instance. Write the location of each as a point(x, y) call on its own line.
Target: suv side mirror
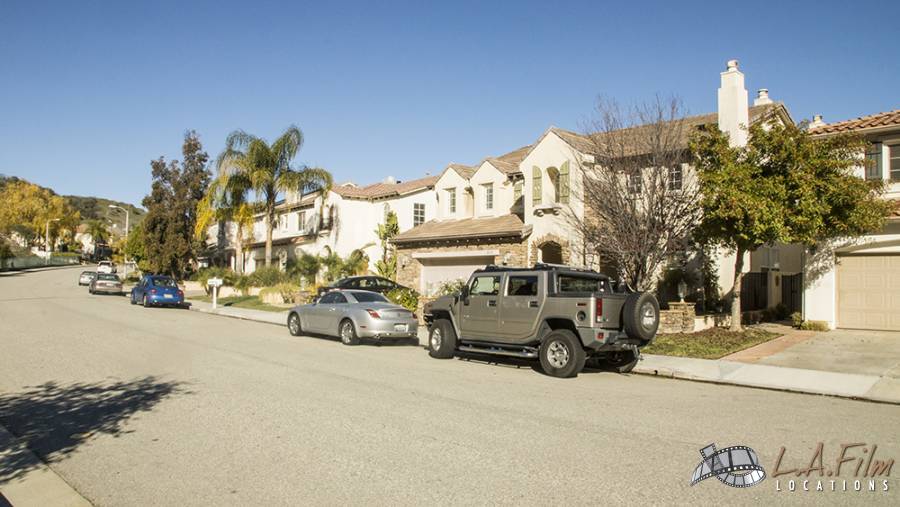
point(464, 293)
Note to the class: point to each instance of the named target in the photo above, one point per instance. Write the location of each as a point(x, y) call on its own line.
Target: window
point(418, 214)
point(517, 190)
point(563, 185)
point(894, 154)
point(488, 196)
point(327, 216)
point(634, 183)
point(332, 298)
point(282, 222)
point(582, 284)
point(536, 190)
point(301, 223)
point(369, 297)
point(485, 286)
point(675, 178)
point(451, 200)
point(873, 162)
point(522, 286)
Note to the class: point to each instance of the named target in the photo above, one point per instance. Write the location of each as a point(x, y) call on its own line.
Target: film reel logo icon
point(736, 466)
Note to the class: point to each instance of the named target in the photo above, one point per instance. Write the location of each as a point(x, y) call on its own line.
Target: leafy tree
point(169, 241)
point(357, 263)
point(784, 186)
point(305, 267)
point(227, 200)
point(134, 247)
point(98, 231)
point(387, 265)
point(268, 169)
point(26, 208)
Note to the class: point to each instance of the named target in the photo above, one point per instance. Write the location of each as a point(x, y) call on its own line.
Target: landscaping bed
point(713, 343)
point(248, 302)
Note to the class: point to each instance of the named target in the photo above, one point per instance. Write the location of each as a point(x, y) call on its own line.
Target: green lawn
point(708, 344)
point(249, 302)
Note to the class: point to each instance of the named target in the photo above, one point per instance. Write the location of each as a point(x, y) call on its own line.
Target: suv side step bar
point(523, 352)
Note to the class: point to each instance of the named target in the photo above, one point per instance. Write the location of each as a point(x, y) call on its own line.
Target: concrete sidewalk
point(277, 318)
point(31, 482)
point(845, 385)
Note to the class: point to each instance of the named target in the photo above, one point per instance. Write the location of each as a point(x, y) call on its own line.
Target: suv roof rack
point(538, 266)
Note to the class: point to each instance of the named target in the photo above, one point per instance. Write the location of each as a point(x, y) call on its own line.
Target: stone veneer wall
point(409, 270)
point(679, 318)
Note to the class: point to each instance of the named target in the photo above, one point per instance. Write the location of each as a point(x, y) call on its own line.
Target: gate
point(792, 291)
point(754, 291)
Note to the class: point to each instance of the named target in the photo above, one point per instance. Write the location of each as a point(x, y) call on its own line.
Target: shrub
point(286, 291)
point(451, 287)
point(797, 319)
point(781, 311)
point(267, 276)
point(227, 275)
point(814, 325)
point(243, 284)
point(407, 298)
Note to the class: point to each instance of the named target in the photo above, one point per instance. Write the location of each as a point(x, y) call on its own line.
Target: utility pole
point(124, 254)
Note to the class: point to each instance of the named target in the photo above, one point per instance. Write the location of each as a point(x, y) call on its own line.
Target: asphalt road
point(136, 406)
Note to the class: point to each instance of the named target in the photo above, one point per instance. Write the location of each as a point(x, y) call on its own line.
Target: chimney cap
point(732, 65)
point(762, 92)
point(817, 117)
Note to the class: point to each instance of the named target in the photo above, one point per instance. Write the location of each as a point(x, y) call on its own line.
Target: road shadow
point(591, 367)
point(52, 420)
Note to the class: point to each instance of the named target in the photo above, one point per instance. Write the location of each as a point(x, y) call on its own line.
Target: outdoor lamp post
point(124, 254)
point(682, 290)
point(47, 238)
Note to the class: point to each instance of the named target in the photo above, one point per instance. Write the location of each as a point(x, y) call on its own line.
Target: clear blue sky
point(90, 92)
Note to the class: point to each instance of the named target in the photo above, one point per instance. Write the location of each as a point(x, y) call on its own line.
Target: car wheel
point(620, 362)
point(348, 333)
point(146, 301)
point(294, 325)
point(441, 340)
point(131, 299)
point(640, 316)
point(562, 354)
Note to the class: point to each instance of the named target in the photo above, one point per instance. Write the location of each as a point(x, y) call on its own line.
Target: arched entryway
point(551, 253)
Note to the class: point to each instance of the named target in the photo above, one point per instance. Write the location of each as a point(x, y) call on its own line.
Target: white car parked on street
point(106, 267)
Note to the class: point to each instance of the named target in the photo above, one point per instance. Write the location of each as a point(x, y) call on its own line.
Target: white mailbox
point(214, 282)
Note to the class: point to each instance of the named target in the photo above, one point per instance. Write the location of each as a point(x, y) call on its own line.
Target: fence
point(754, 291)
point(14, 263)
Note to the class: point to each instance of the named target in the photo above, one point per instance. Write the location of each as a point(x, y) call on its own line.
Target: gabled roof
point(509, 162)
point(466, 171)
point(494, 227)
point(872, 121)
point(381, 190)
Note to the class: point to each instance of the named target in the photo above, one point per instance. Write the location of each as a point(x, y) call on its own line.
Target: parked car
point(352, 315)
point(106, 267)
point(106, 283)
point(157, 290)
point(377, 284)
point(86, 277)
point(559, 314)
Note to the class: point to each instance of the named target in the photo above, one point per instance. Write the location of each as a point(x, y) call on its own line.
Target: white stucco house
point(857, 283)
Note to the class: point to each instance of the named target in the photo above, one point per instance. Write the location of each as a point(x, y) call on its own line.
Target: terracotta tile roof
point(502, 226)
point(380, 190)
point(886, 119)
point(466, 171)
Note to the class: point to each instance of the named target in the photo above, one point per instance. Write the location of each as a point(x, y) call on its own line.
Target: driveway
point(844, 351)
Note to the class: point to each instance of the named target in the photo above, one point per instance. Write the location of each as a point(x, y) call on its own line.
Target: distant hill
point(95, 208)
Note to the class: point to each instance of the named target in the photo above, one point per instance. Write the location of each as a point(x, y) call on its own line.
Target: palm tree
point(268, 170)
point(226, 200)
point(98, 231)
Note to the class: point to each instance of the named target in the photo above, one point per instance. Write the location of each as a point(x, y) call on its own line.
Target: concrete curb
point(275, 318)
point(778, 378)
point(39, 486)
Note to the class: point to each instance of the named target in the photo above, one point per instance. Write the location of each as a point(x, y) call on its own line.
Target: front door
point(520, 306)
point(480, 312)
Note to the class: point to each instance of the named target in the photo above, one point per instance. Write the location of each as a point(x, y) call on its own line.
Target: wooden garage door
point(869, 292)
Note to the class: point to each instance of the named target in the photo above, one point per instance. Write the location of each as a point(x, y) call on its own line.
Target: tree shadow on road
point(52, 420)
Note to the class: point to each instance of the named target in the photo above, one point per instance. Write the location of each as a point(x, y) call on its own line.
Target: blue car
point(157, 290)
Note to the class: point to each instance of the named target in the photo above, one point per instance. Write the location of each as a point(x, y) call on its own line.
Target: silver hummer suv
point(562, 315)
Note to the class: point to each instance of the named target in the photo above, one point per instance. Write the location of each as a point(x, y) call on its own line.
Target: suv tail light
point(598, 310)
point(373, 313)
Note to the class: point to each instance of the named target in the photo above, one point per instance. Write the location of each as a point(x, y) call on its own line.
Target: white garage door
point(869, 292)
point(435, 272)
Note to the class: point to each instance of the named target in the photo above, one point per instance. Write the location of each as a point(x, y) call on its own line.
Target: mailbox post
point(215, 283)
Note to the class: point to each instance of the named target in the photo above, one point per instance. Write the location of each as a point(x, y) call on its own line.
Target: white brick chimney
point(734, 117)
point(762, 97)
point(817, 122)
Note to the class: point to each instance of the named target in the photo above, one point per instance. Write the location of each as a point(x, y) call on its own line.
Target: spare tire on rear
point(640, 316)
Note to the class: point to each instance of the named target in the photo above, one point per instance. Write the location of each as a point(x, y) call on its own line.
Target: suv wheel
point(441, 340)
point(620, 362)
point(348, 333)
point(562, 354)
point(294, 325)
point(640, 316)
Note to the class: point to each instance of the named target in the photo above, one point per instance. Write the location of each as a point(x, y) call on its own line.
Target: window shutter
point(564, 182)
point(536, 190)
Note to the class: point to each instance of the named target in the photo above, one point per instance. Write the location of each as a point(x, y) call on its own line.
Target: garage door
point(869, 292)
point(436, 272)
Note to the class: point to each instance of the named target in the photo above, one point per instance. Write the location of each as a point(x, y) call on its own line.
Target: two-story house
point(857, 283)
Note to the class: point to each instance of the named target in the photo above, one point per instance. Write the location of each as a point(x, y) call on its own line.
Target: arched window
point(536, 190)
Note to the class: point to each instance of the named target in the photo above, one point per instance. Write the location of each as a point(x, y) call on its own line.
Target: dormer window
point(488, 196)
point(451, 200)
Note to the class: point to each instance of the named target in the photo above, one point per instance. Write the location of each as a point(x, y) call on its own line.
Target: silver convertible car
point(351, 315)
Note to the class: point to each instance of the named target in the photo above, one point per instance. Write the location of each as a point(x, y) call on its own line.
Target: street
point(148, 406)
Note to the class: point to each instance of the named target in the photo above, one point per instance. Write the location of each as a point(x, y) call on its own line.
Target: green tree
point(98, 231)
point(387, 265)
point(305, 267)
point(784, 186)
point(268, 168)
point(169, 240)
point(134, 246)
point(225, 201)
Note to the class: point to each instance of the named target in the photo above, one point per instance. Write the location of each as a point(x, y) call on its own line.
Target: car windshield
point(571, 283)
point(370, 297)
point(107, 277)
point(164, 282)
point(87, 273)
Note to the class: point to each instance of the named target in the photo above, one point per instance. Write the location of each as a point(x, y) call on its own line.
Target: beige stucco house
point(857, 283)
